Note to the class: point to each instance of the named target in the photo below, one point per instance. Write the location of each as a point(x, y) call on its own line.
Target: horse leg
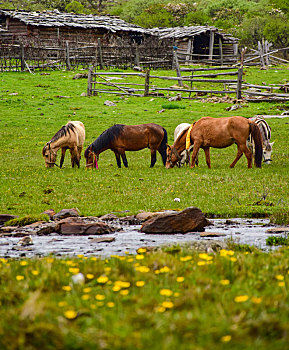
point(124, 160)
point(63, 150)
point(195, 154)
point(118, 161)
point(153, 157)
point(207, 154)
point(74, 157)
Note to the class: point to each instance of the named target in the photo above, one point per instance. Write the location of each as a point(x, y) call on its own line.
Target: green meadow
point(173, 298)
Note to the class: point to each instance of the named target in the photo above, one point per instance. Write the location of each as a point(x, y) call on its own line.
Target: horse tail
point(257, 137)
point(163, 146)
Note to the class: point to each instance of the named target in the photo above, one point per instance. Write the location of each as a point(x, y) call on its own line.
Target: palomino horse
point(266, 136)
point(71, 136)
point(218, 133)
point(120, 138)
point(185, 155)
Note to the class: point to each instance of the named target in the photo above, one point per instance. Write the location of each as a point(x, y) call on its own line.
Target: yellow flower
point(85, 297)
point(141, 250)
point(122, 284)
point(256, 300)
point(67, 288)
point(50, 260)
point(279, 277)
point(241, 298)
point(102, 279)
point(186, 258)
point(143, 269)
point(281, 284)
point(140, 283)
point(201, 263)
point(107, 269)
point(130, 259)
point(205, 256)
point(166, 292)
point(74, 270)
point(161, 309)
point(23, 263)
point(124, 292)
point(110, 304)
point(87, 290)
point(19, 277)
point(93, 258)
point(224, 252)
point(224, 282)
point(165, 269)
point(139, 257)
point(116, 288)
point(180, 279)
point(226, 338)
point(70, 314)
point(233, 259)
point(99, 297)
point(168, 304)
point(89, 276)
point(35, 272)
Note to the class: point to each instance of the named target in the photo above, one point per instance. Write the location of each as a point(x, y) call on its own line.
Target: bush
point(280, 218)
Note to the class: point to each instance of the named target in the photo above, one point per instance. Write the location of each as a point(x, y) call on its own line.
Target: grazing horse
point(266, 136)
point(71, 136)
point(218, 133)
point(185, 155)
point(120, 138)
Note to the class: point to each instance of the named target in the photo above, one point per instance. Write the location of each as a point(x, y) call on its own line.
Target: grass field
point(175, 298)
point(34, 107)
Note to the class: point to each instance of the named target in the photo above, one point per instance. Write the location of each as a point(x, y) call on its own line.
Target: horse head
point(173, 157)
point(267, 151)
point(49, 156)
point(91, 157)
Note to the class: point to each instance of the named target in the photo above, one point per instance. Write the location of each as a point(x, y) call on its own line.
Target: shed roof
point(59, 19)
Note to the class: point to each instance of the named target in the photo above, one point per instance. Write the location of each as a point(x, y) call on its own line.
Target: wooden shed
point(200, 44)
point(44, 28)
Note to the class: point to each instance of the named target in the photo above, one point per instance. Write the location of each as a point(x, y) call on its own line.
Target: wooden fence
point(101, 82)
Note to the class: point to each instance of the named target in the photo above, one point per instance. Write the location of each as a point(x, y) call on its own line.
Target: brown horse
point(120, 138)
point(218, 133)
point(71, 136)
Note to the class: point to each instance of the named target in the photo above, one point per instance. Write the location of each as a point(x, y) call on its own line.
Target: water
point(129, 239)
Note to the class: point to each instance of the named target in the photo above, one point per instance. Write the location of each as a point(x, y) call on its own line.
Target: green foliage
point(277, 240)
point(155, 16)
point(280, 218)
point(27, 220)
point(74, 6)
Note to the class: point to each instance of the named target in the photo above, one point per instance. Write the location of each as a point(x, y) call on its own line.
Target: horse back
point(79, 131)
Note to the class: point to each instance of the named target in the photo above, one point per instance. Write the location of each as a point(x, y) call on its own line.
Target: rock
point(188, 220)
point(50, 213)
point(109, 103)
point(76, 226)
point(278, 230)
point(130, 220)
point(6, 217)
point(7, 229)
point(178, 97)
point(80, 76)
point(25, 241)
point(212, 234)
point(102, 240)
point(108, 217)
point(47, 229)
point(65, 213)
point(145, 216)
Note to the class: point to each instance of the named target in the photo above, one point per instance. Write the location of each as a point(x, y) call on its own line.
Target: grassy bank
point(34, 107)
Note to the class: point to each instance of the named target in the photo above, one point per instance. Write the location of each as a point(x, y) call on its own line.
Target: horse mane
point(105, 139)
point(63, 132)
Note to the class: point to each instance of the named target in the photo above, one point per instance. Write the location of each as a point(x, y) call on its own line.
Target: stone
point(76, 226)
point(47, 229)
point(25, 241)
point(102, 240)
point(6, 217)
point(278, 230)
point(65, 213)
point(50, 213)
point(109, 103)
point(189, 220)
point(108, 217)
point(212, 234)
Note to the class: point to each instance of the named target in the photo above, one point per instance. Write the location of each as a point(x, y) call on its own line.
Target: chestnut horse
point(71, 136)
point(218, 133)
point(120, 138)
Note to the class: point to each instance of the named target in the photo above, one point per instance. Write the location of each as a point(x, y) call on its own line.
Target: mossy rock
point(27, 220)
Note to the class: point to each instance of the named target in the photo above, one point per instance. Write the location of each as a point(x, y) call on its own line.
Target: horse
point(121, 138)
point(266, 136)
point(185, 155)
point(71, 136)
point(218, 133)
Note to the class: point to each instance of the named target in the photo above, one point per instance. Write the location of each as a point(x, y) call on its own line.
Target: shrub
point(280, 218)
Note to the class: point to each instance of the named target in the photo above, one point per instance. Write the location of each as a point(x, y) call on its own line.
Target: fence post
point(22, 58)
point(136, 56)
point(100, 53)
point(89, 82)
point(180, 82)
point(239, 83)
point(147, 83)
point(67, 56)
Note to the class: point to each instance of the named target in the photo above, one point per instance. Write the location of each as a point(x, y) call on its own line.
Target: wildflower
point(93, 258)
point(141, 250)
point(186, 258)
point(107, 269)
point(67, 288)
point(87, 290)
point(225, 282)
point(50, 260)
point(279, 277)
point(256, 300)
point(99, 297)
point(166, 292)
point(122, 284)
point(180, 279)
point(241, 298)
point(143, 269)
point(139, 257)
point(140, 283)
point(233, 259)
point(205, 256)
point(226, 338)
point(165, 269)
point(110, 304)
point(102, 279)
point(168, 304)
point(201, 263)
point(281, 284)
point(19, 277)
point(161, 309)
point(124, 292)
point(74, 270)
point(62, 303)
point(23, 263)
point(176, 294)
point(85, 297)
point(70, 314)
point(89, 276)
point(130, 260)
point(35, 272)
